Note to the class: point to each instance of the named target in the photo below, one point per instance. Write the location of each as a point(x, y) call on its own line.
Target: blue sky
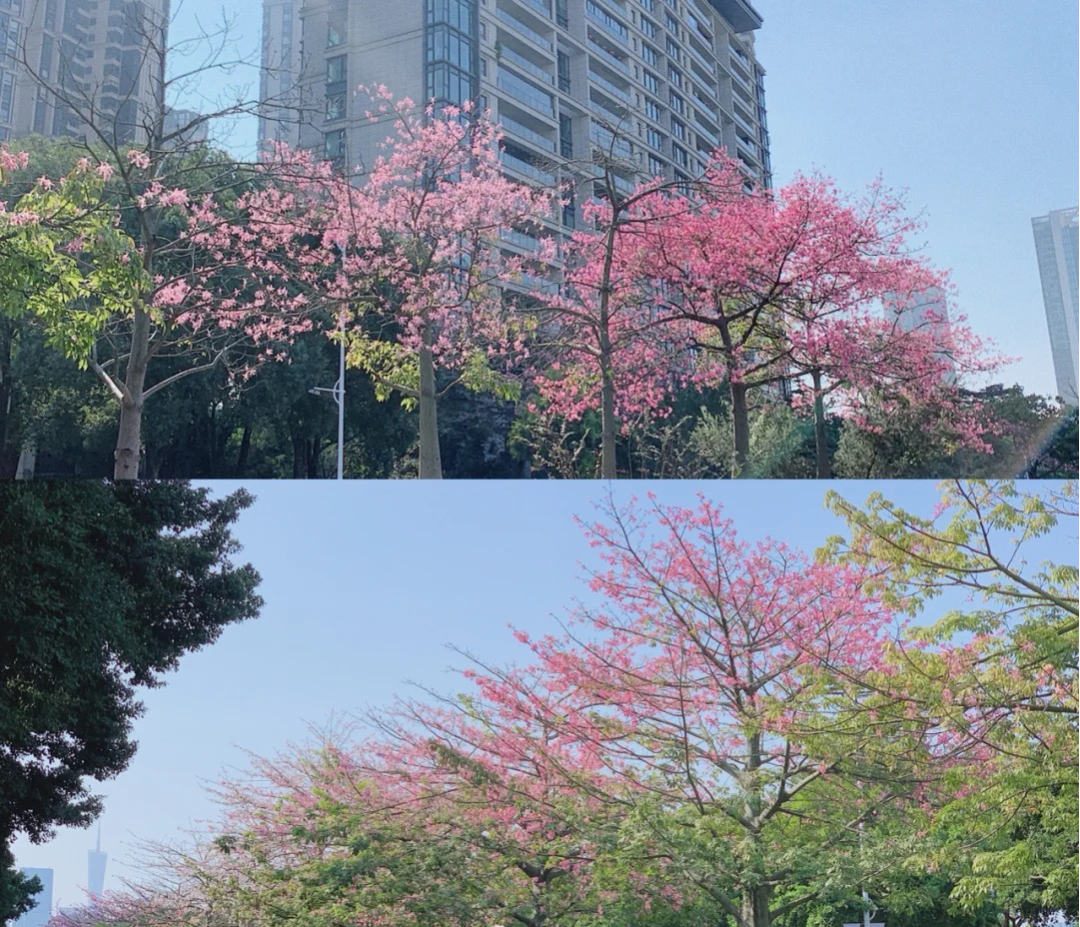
point(365, 585)
point(971, 106)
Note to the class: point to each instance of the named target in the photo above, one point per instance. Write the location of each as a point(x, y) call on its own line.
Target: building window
point(452, 55)
point(334, 145)
point(335, 35)
point(336, 71)
point(335, 107)
point(566, 136)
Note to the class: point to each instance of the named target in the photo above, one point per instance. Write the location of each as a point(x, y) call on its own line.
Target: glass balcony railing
point(539, 5)
point(611, 88)
point(524, 167)
point(522, 131)
point(520, 61)
point(525, 93)
point(514, 23)
point(520, 240)
point(608, 57)
point(607, 142)
point(607, 22)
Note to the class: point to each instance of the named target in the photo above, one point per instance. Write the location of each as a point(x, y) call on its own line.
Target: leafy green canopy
point(104, 588)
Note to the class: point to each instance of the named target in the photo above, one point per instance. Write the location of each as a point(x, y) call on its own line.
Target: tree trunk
point(430, 456)
point(298, 458)
point(755, 907)
point(129, 438)
point(821, 439)
point(245, 451)
point(27, 464)
point(608, 464)
point(740, 420)
point(9, 448)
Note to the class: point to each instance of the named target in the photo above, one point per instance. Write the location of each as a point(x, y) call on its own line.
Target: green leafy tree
point(998, 671)
point(104, 589)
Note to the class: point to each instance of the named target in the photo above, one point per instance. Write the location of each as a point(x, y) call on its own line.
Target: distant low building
point(39, 915)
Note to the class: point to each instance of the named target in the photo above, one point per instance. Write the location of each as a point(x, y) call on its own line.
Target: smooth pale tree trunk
point(754, 911)
point(821, 440)
point(430, 456)
point(740, 422)
point(24, 470)
point(129, 438)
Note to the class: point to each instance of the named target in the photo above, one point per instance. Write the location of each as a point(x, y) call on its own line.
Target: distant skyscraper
point(1056, 245)
point(39, 915)
point(95, 865)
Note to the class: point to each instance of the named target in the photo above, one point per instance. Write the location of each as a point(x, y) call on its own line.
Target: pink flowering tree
point(694, 695)
point(142, 274)
point(782, 284)
point(609, 348)
point(423, 270)
point(406, 255)
point(436, 823)
point(863, 365)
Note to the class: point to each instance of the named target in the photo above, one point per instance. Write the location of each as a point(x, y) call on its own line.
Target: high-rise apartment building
point(1056, 245)
point(38, 916)
point(95, 51)
point(658, 84)
point(279, 119)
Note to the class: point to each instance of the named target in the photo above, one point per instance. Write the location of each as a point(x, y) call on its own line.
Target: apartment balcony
point(709, 134)
point(508, 55)
point(520, 240)
point(747, 145)
point(523, 167)
point(533, 283)
point(609, 87)
point(607, 57)
point(525, 93)
point(544, 9)
point(606, 113)
point(531, 34)
point(740, 80)
point(520, 130)
point(608, 143)
point(606, 21)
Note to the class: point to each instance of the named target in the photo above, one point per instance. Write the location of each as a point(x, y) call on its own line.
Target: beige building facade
point(658, 84)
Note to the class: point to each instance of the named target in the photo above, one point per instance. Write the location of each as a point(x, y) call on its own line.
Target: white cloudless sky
point(365, 584)
point(970, 106)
